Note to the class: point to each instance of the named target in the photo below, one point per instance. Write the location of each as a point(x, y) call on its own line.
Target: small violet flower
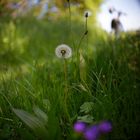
point(92, 133)
point(105, 127)
point(79, 127)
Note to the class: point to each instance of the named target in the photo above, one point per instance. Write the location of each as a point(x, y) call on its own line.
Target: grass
point(32, 79)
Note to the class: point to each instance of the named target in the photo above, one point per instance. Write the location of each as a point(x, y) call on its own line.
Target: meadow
point(42, 96)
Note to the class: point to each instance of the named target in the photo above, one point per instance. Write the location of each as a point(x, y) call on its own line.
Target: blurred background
point(48, 9)
point(43, 24)
point(131, 20)
point(29, 24)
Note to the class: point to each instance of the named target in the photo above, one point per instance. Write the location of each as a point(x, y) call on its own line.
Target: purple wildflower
point(79, 127)
point(92, 133)
point(105, 127)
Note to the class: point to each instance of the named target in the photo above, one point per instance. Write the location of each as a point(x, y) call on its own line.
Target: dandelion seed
point(63, 51)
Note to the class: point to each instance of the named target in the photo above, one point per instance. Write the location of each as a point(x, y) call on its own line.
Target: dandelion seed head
point(63, 51)
point(87, 13)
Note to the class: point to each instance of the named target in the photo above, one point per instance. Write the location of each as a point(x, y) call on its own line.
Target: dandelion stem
point(86, 25)
point(69, 15)
point(85, 33)
point(65, 77)
point(66, 89)
point(86, 30)
point(81, 39)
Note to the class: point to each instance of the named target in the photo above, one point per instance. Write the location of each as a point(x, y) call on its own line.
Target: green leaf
point(86, 107)
point(40, 114)
point(83, 88)
point(47, 104)
point(86, 118)
point(33, 122)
